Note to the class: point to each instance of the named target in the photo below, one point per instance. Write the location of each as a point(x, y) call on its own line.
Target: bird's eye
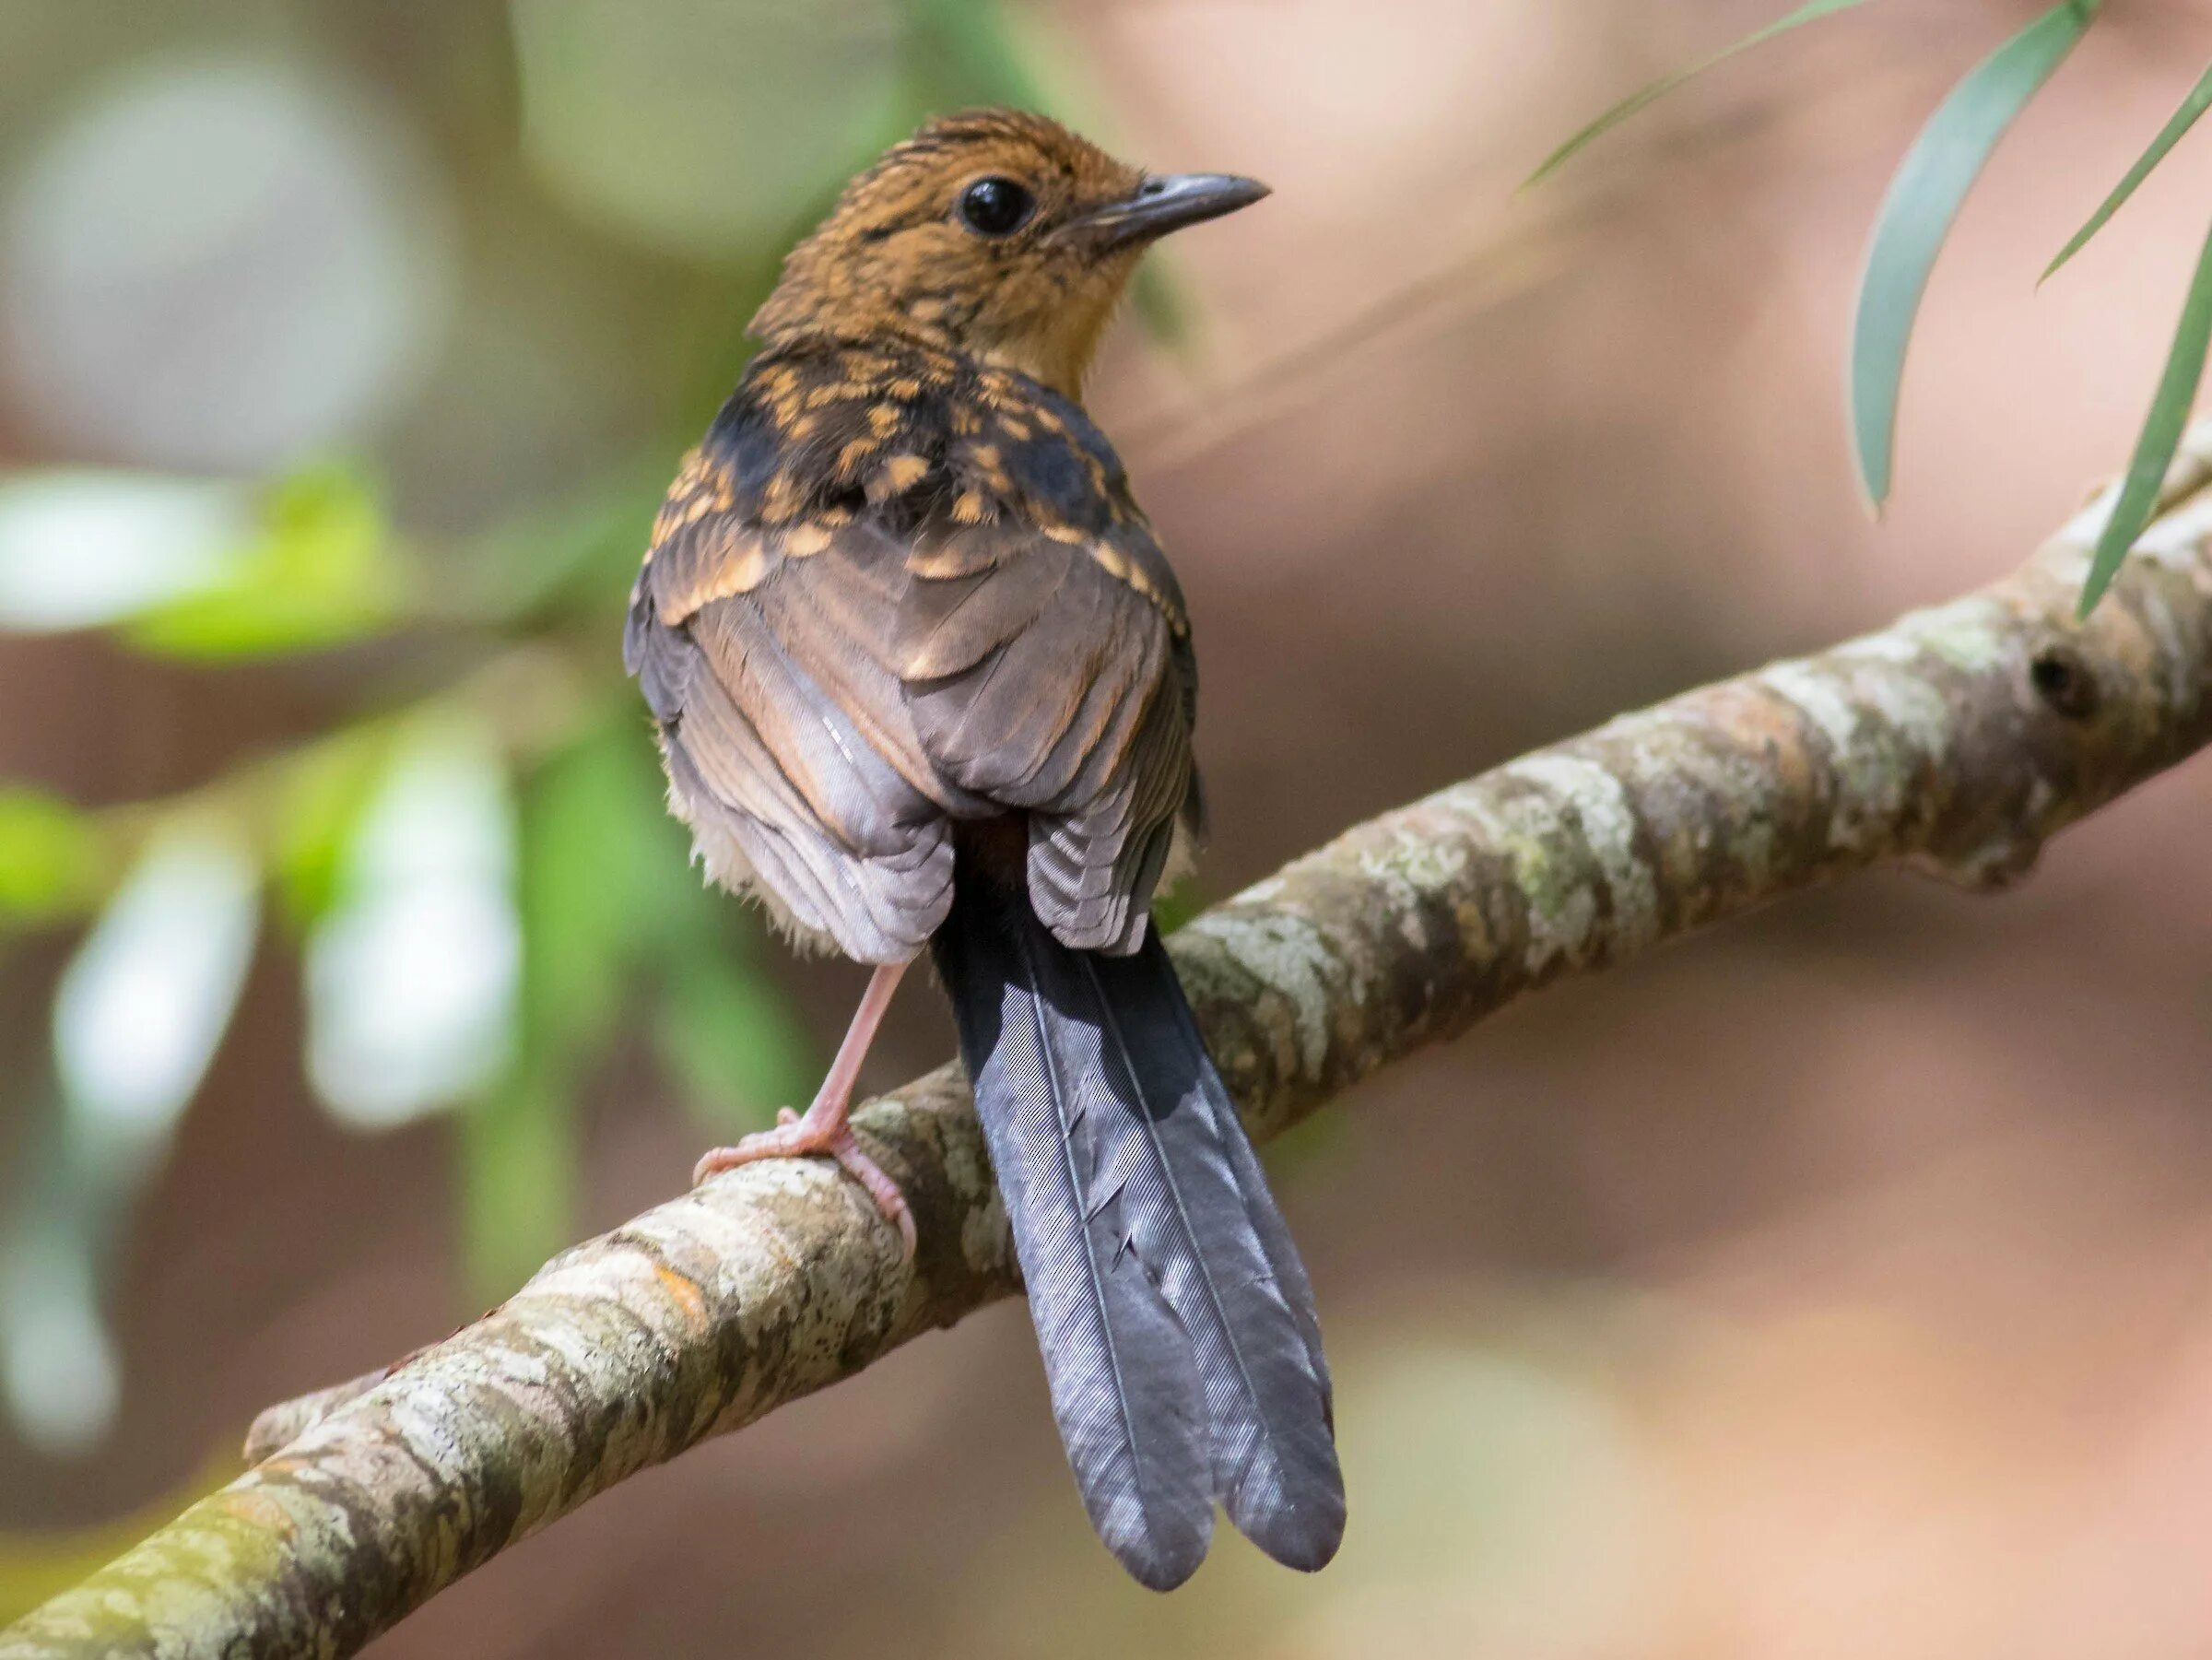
point(995, 207)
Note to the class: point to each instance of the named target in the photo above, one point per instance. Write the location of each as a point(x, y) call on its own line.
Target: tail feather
point(1175, 1320)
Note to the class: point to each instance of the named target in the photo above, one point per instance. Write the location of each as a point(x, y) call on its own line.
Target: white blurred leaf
point(412, 972)
point(82, 548)
point(58, 1370)
point(141, 1008)
point(138, 1018)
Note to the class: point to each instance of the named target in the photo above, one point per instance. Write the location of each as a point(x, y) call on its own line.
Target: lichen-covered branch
point(1957, 740)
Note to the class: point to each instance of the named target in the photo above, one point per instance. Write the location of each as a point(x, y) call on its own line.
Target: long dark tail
point(1175, 1319)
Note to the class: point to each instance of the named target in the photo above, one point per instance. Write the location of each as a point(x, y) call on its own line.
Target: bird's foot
point(797, 1138)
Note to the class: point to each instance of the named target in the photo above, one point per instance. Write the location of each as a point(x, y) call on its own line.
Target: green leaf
point(2182, 119)
point(1644, 98)
point(518, 1180)
point(2162, 434)
point(316, 573)
point(321, 800)
point(48, 857)
point(1916, 214)
point(607, 886)
point(580, 881)
point(610, 896)
point(726, 1035)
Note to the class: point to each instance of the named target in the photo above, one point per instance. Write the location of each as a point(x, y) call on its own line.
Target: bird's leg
point(823, 1129)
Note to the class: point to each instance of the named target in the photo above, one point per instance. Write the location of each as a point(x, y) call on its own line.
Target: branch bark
point(1956, 741)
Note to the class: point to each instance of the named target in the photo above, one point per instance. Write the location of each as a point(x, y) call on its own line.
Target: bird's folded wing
point(1040, 677)
point(836, 677)
point(763, 655)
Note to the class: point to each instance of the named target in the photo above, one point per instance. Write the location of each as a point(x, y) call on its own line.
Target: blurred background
point(1838, 1283)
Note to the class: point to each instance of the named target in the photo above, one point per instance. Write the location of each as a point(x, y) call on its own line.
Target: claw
point(792, 1138)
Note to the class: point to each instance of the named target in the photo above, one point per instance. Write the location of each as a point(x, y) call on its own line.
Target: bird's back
point(894, 588)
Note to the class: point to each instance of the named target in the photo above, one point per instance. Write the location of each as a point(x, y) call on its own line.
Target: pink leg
point(823, 1129)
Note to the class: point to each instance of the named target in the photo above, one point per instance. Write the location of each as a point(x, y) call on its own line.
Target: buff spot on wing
point(939, 564)
point(804, 541)
point(969, 508)
point(736, 568)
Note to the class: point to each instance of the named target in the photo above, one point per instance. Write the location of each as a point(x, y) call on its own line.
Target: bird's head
point(995, 234)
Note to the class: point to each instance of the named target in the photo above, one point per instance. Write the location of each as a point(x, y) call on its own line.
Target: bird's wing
point(763, 653)
point(873, 606)
point(1042, 677)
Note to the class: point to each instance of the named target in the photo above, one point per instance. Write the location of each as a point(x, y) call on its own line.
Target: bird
point(922, 678)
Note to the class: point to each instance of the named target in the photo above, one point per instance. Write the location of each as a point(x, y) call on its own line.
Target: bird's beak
point(1164, 202)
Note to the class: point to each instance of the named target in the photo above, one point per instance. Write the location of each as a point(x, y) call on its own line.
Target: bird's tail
point(1175, 1319)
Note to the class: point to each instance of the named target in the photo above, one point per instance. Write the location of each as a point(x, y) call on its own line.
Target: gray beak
point(1166, 202)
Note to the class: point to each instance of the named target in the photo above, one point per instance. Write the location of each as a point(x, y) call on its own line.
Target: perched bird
point(923, 678)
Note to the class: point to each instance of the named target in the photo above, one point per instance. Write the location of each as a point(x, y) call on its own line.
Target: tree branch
point(1957, 741)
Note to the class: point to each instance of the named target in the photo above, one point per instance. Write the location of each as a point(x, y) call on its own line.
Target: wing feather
point(846, 655)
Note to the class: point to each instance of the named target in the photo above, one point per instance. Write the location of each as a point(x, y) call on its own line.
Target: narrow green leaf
point(1916, 214)
point(321, 800)
point(1647, 96)
point(2182, 119)
point(2160, 437)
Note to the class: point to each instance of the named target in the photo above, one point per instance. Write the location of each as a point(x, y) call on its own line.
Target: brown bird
point(923, 678)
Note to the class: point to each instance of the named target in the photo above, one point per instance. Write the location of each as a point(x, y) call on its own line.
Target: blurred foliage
point(1915, 218)
point(467, 849)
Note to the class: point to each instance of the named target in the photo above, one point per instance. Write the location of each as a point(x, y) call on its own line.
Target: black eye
point(995, 207)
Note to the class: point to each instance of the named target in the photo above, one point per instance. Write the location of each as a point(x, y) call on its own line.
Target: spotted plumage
point(942, 560)
point(923, 676)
